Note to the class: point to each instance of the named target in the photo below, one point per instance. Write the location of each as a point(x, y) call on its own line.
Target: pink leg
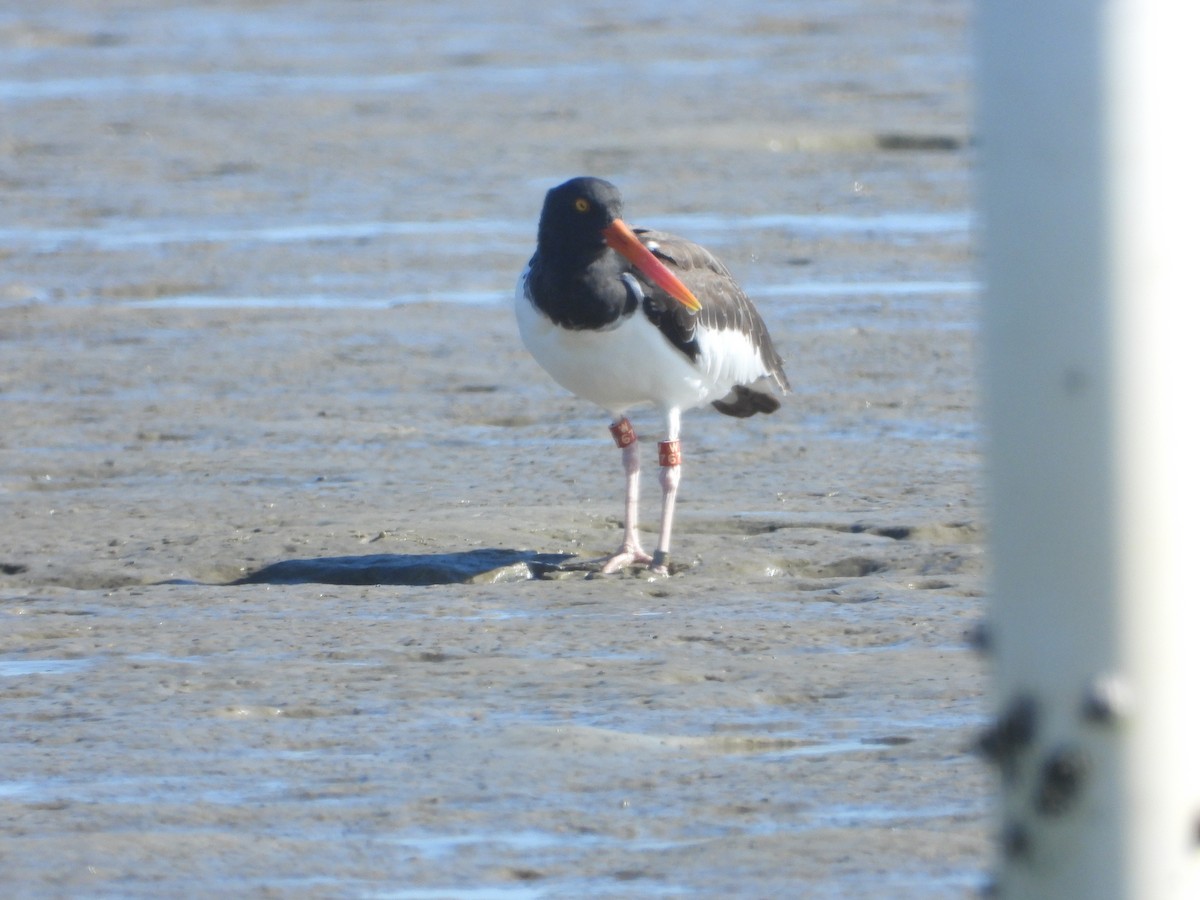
point(670, 462)
point(631, 548)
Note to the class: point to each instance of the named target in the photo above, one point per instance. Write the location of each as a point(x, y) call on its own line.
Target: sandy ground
point(254, 311)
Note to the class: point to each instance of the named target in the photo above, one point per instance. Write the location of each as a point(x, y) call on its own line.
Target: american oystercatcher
point(627, 316)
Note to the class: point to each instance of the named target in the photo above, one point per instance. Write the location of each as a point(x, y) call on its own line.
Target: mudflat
point(285, 501)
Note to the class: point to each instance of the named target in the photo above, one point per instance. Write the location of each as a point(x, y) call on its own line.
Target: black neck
point(580, 293)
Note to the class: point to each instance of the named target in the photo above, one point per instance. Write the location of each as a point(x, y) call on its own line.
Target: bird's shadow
point(482, 566)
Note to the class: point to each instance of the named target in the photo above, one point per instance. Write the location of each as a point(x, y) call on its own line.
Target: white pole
point(1090, 154)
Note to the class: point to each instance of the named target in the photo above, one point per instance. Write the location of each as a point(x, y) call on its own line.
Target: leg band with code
point(623, 433)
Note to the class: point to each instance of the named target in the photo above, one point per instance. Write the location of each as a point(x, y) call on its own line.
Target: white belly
point(618, 368)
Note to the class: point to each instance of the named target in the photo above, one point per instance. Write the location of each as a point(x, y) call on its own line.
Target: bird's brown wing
point(724, 305)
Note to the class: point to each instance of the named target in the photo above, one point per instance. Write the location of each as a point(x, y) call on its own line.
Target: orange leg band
point(623, 433)
point(669, 453)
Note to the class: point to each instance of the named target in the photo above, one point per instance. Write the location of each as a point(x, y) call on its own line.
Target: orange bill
point(621, 238)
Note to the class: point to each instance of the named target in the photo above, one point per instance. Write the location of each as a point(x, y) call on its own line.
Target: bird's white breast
point(628, 364)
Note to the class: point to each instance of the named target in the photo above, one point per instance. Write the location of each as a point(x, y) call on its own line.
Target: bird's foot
point(659, 563)
point(628, 555)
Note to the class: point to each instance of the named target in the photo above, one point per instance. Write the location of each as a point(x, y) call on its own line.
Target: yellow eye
point(582, 205)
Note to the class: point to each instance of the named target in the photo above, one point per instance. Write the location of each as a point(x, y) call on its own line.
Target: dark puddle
point(484, 566)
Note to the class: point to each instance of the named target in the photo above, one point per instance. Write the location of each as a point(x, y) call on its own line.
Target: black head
point(576, 213)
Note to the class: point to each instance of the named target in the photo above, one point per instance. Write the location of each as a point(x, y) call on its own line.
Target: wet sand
point(254, 312)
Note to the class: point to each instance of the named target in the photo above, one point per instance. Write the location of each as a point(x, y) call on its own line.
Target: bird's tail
point(746, 400)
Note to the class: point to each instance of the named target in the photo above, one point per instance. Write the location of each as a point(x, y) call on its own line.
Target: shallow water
point(258, 265)
point(700, 227)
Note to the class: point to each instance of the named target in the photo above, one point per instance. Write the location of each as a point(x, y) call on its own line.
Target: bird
point(625, 317)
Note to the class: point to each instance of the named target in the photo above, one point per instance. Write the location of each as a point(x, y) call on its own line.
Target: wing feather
point(725, 307)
